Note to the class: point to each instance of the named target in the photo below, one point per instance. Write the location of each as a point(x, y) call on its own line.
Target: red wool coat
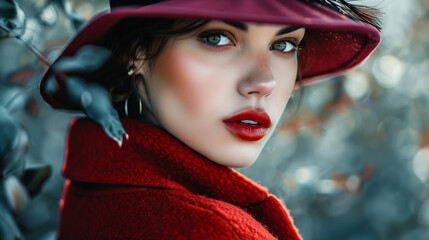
point(155, 187)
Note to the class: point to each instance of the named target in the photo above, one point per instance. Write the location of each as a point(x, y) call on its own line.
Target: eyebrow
point(242, 26)
point(286, 30)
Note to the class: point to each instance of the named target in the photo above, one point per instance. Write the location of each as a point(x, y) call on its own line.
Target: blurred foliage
point(350, 162)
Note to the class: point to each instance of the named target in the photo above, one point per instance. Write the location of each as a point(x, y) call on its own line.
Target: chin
point(243, 164)
point(234, 153)
point(234, 160)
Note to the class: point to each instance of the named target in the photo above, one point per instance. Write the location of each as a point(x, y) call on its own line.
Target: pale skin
point(201, 79)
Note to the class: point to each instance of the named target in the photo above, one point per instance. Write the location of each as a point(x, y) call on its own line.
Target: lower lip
point(245, 131)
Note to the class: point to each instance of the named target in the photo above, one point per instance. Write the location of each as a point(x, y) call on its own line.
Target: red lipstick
point(249, 125)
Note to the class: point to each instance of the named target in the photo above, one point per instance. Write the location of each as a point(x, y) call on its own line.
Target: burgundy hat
point(332, 44)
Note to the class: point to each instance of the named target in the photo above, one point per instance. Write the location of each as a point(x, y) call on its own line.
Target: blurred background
point(350, 160)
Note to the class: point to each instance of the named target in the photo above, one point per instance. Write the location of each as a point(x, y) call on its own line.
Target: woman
point(201, 86)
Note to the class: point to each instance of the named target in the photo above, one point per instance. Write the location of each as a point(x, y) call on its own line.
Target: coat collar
point(153, 158)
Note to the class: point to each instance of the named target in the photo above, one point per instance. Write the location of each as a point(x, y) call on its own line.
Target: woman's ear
point(139, 70)
point(136, 71)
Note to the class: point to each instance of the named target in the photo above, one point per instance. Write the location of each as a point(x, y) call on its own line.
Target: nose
point(257, 81)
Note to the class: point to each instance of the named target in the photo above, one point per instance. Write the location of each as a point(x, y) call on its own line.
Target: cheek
point(284, 70)
point(180, 75)
point(187, 81)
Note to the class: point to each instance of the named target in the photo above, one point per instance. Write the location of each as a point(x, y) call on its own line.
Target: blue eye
point(216, 39)
point(283, 46)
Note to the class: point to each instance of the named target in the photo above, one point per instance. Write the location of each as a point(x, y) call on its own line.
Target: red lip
point(246, 131)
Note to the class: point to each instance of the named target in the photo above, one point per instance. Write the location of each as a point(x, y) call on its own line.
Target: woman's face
point(222, 89)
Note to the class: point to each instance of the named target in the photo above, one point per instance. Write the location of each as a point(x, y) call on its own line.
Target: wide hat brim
point(332, 44)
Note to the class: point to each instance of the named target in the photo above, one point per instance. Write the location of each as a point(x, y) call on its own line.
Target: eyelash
point(202, 38)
